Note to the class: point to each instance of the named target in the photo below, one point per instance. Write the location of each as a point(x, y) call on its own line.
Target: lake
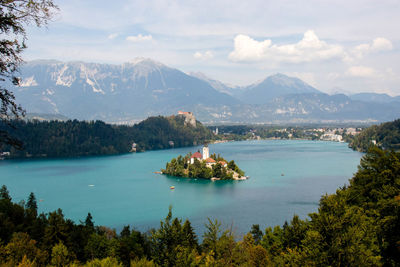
point(287, 177)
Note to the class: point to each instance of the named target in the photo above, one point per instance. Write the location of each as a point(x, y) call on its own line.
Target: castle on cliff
point(190, 119)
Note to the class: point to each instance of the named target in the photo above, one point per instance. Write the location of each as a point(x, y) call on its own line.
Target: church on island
point(203, 165)
point(206, 157)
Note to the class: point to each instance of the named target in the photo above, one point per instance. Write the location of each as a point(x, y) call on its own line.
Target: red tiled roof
point(210, 160)
point(197, 155)
point(222, 162)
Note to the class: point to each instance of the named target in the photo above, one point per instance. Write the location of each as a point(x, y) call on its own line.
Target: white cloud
point(139, 38)
point(203, 56)
point(310, 48)
point(248, 49)
point(378, 44)
point(361, 71)
point(113, 36)
point(381, 44)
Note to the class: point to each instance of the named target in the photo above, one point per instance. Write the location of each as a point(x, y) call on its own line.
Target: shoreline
point(213, 179)
point(128, 153)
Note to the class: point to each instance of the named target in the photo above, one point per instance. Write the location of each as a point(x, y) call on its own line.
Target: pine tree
point(4, 194)
point(89, 221)
point(31, 204)
point(256, 233)
point(189, 236)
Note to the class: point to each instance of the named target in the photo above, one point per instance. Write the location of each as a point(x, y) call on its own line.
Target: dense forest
point(385, 135)
point(181, 167)
point(80, 138)
point(359, 225)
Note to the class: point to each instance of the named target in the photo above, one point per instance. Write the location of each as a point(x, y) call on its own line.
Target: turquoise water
point(122, 190)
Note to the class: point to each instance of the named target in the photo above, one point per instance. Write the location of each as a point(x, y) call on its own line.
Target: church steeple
point(206, 152)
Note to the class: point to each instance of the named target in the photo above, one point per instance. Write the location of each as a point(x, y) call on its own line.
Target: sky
point(336, 46)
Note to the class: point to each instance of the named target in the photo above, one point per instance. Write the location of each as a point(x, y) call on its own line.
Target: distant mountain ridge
point(275, 86)
point(219, 86)
point(143, 87)
point(137, 89)
point(374, 97)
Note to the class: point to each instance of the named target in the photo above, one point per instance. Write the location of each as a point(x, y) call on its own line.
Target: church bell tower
point(206, 152)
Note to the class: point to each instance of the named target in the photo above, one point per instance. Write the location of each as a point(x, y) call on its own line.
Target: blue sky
point(336, 46)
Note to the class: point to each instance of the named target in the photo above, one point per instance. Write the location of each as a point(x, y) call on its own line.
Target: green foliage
point(170, 240)
point(60, 255)
point(186, 257)
point(348, 234)
point(376, 189)
point(4, 194)
point(247, 253)
point(26, 263)
point(106, 262)
point(20, 246)
point(272, 241)
point(132, 245)
point(256, 233)
point(211, 236)
point(56, 229)
point(386, 135)
point(143, 262)
point(189, 236)
point(293, 233)
point(31, 204)
point(80, 138)
point(97, 246)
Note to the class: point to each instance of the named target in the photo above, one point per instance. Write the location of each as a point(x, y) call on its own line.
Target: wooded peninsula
point(385, 135)
point(81, 138)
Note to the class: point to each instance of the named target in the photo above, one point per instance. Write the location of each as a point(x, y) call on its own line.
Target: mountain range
point(143, 87)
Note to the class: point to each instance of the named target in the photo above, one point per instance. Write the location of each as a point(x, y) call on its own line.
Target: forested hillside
point(359, 225)
point(385, 135)
point(81, 138)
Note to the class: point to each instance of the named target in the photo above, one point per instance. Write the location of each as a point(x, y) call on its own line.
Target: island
point(206, 166)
